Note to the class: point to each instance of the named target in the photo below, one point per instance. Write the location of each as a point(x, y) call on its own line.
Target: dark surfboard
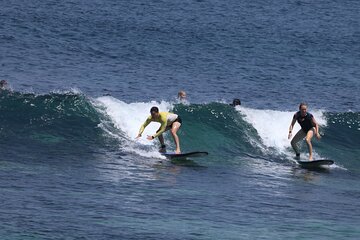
point(316, 163)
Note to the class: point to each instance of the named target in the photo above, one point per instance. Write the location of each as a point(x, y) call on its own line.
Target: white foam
point(273, 126)
point(73, 90)
point(128, 117)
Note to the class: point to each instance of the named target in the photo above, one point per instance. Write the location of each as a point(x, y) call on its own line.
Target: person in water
point(168, 121)
point(236, 102)
point(309, 128)
point(182, 95)
point(3, 84)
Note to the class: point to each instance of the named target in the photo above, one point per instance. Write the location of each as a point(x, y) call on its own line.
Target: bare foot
point(177, 151)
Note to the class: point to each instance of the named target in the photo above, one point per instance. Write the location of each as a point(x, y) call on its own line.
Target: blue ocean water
point(84, 74)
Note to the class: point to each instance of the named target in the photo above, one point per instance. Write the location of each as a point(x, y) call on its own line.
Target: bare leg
point(297, 138)
point(161, 140)
point(308, 138)
point(175, 127)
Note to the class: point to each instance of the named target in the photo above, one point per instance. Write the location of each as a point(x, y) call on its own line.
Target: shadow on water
point(319, 169)
point(184, 162)
point(312, 169)
point(309, 174)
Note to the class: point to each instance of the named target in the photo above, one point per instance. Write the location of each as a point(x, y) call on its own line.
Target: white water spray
point(128, 117)
point(272, 126)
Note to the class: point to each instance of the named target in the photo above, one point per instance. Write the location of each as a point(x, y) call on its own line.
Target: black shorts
point(178, 119)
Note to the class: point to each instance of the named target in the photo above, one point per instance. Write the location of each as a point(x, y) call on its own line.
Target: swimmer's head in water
point(236, 102)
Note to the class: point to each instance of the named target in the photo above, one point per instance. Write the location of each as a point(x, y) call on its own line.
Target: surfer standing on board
point(309, 127)
point(168, 121)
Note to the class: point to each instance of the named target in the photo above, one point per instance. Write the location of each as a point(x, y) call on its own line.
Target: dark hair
point(302, 104)
point(154, 109)
point(236, 102)
point(3, 82)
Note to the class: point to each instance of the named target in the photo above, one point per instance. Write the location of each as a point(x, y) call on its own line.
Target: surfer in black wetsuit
point(309, 128)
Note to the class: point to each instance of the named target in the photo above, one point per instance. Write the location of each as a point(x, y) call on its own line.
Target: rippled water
point(71, 169)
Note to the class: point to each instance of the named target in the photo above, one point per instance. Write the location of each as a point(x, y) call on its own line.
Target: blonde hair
point(181, 94)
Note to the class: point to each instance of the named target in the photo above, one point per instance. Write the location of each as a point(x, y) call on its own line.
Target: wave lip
point(54, 118)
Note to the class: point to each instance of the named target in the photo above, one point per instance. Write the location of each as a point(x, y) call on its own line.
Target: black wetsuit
point(305, 122)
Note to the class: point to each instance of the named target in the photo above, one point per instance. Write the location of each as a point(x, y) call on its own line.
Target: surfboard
point(173, 155)
point(315, 163)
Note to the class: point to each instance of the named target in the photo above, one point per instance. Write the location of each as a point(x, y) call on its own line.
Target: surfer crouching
point(168, 121)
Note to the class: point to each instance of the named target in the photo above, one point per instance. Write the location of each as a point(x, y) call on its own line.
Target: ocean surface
point(83, 75)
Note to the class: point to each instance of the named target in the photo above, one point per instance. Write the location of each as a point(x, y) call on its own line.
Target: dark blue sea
point(83, 75)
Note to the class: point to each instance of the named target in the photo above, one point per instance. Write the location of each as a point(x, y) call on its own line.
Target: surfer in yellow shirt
point(168, 121)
